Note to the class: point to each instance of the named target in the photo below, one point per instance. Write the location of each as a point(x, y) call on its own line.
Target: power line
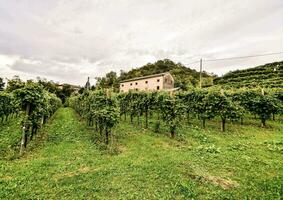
point(241, 57)
point(192, 63)
point(234, 58)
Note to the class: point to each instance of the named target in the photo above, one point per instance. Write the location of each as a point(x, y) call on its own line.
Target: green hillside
point(268, 75)
point(183, 75)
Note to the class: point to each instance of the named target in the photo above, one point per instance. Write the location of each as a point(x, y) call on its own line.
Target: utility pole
point(200, 73)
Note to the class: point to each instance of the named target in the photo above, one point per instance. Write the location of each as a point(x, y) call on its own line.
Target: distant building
point(87, 85)
point(75, 88)
point(163, 81)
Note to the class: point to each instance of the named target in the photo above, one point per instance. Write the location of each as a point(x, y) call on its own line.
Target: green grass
point(65, 163)
point(10, 132)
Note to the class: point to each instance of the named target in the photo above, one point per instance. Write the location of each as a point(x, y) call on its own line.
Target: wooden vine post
point(25, 130)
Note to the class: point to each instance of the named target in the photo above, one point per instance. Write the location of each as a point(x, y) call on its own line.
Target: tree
point(65, 92)
point(200, 106)
point(257, 103)
point(50, 86)
point(2, 84)
point(98, 106)
point(222, 106)
point(38, 104)
point(172, 109)
point(184, 76)
point(14, 83)
point(109, 81)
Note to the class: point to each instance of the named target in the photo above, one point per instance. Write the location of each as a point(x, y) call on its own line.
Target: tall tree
point(109, 81)
point(50, 86)
point(15, 83)
point(65, 92)
point(2, 84)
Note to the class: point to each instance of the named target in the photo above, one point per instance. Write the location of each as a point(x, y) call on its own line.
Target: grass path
point(68, 165)
point(9, 132)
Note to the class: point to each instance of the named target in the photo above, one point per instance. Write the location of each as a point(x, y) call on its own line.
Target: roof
point(145, 77)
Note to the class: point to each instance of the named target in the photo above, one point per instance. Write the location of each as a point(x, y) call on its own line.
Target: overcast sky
point(68, 40)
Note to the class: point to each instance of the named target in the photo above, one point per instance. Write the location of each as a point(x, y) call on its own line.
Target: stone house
point(162, 81)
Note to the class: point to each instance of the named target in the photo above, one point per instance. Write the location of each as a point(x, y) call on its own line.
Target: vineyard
point(32, 105)
point(268, 76)
point(197, 144)
point(105, 109)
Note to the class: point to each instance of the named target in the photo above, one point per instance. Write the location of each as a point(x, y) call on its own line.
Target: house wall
point(151, 85)
point(168, 82)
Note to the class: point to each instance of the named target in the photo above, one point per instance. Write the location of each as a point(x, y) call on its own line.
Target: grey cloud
point(72, 39)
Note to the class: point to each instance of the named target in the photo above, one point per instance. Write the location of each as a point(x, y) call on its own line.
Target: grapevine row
point(34, 104)
point(104, 108)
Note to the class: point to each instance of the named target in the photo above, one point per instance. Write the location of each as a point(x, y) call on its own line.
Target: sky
point(68, 40)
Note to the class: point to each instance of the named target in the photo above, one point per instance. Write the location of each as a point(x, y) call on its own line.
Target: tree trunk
point(44, 119)
point(273, 116)
point(203, 123)
point(263, 123)
point(26, 138)
point(107, 135)
point(96, 125)
point(223, 121)
point(146, 119)
point(42, 122)
point(100, 129)
point(33, 132)
point(188, 117)
point(131, 118)
point(242, 121)
point(24, 132)
point(172, 132)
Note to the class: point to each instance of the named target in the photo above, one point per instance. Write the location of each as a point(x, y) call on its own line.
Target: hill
point(268, 75)
point(183, 75)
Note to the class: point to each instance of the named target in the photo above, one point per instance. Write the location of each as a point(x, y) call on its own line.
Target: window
point(137, 89)
point(122, 85)
point(157, 88)
point(146, 82)
point(136, 83)
point(131, 84)
point(158, 80)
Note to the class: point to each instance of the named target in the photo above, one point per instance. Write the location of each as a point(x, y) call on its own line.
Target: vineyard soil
point(245, 161)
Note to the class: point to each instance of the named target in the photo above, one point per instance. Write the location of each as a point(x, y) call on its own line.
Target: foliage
point(68, 166)
point(262, 105)
point(14, 83)
point(37, 103)
point(8, 105)
point(2, 84)
point(171, 109)
point(184, 77)
point(268, 76)
point(65, 92)
point(223, 107)
point(98, 107)
point(110, 81)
